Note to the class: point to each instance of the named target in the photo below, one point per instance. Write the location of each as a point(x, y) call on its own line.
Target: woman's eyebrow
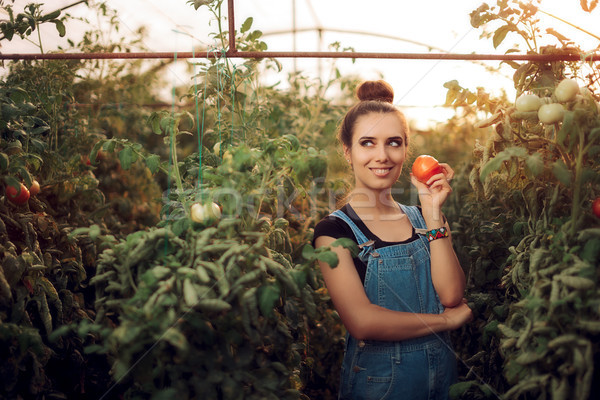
point(374, 138)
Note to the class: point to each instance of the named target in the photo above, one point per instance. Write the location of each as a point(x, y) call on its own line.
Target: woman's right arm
point(365, 320)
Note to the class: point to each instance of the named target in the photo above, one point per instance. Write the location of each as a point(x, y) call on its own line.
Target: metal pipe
point(230, 14)
point(304, 54)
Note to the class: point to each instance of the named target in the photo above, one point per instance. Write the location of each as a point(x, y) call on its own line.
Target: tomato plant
point(531, 246)
point(425, 166)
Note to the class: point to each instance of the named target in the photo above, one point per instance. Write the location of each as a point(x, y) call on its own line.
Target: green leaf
point(594, 134)
point(492, 165)
point(25, 175)
point(175, 338)
point(165, 394)
point(500, 34)
point(495, 163)
point(457, 390)
point(95, 150)
point(566, 128)
point(535, 164)
point(94, 232)
point(153, 163)
point(154, 122)
point(347, 244)
point(199, 3)
point(52, 15)
point(8, 31)
point(308, 252)
point(246, 25)
point(591, 250)
point(127, 157)
point(4, 162)
point(593, 151)
point(561, 172)
point(267, 296)
point(60, 27)
point(329, 257)
point(109, 146)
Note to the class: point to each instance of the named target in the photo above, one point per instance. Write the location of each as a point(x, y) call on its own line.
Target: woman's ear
point(346, 153)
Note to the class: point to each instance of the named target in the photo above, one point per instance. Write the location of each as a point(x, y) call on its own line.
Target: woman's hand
point(458, 316)
point(434, 192)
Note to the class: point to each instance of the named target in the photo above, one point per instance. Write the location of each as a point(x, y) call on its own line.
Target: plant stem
point(37, 27)
point(568, 23)
point(174, 158)
point(575, 206)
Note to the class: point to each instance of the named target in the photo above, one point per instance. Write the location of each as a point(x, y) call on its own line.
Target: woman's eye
point(366, 143)
point(396, 143)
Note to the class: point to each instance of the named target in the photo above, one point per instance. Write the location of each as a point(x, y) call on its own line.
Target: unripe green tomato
point(566, 90)
point(551, 113)
point(214, 210)
point(528, 102)
point(198, 213)
point(205, 212)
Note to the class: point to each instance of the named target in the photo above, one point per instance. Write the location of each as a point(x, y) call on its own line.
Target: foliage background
point(104, 275)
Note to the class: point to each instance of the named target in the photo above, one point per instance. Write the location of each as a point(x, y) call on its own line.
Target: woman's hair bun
point(375, 90)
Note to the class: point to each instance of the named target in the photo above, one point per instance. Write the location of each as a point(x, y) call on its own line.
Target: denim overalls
point(398, 277)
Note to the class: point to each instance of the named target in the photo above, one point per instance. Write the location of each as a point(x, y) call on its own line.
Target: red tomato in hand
point(425, 167)
point(596, 207)
point(19, 198)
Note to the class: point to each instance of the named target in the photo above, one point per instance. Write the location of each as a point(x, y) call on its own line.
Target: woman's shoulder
point(332, 226)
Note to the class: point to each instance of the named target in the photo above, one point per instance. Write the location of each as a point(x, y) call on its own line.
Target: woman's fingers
point(439, 181)
point(448, 171)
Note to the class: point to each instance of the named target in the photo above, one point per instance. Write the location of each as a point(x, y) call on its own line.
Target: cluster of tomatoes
point(20, 195)
point(548, 110)
point(426, 166)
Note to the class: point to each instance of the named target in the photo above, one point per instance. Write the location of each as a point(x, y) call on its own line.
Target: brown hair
point(374, 97)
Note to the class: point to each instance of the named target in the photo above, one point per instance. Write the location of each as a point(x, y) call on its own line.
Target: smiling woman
point(404, 291)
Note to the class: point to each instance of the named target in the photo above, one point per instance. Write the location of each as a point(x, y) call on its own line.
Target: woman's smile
point(381, 172)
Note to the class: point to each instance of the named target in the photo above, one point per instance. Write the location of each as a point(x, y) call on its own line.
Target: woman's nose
point(382, 154)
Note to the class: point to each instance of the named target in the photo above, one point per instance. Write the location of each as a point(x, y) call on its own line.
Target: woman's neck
point(374, 204)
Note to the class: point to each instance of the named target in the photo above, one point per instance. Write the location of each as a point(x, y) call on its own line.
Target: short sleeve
point(336, 228)
point(333, 227)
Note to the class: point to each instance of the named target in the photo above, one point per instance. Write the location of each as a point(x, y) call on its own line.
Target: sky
point(441, 24)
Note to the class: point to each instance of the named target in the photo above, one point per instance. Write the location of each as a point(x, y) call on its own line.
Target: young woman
point(403, 292)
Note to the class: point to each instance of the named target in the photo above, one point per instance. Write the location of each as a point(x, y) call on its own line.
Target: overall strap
point(418, 222)
point(415, 217)
point(363, 242)
point(360, 237)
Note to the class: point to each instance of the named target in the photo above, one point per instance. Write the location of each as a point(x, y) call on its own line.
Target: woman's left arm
point(446, 272)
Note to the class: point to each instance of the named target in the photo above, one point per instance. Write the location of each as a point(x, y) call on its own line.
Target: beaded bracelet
point(437, 233)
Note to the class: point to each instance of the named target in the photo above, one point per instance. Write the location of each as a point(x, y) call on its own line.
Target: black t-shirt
point(337, 228)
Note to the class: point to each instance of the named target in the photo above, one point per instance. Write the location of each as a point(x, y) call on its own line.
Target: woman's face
point(378, 151)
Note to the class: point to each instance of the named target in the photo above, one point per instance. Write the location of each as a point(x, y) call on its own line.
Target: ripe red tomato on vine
point(17, 197)
point(424, 167)
point(596, 207)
